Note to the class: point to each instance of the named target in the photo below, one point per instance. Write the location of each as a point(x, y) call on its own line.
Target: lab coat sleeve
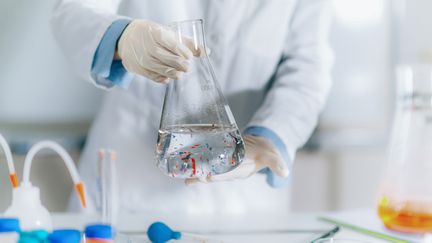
point(105, 70)
point(299, 86)
point(79, 26)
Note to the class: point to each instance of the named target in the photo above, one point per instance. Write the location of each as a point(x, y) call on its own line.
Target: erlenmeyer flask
point(198, 135)
point(405, 197)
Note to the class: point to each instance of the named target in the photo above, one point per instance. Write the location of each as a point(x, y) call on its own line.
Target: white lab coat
point(251, 41)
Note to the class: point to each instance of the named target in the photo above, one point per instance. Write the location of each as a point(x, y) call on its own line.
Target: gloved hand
point(260, 154)
point(153, 51)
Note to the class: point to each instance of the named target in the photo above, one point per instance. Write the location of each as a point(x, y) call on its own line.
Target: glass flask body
point(198, 136)
point(405, 197)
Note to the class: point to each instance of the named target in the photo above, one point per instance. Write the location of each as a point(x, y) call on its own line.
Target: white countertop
point(253, 228)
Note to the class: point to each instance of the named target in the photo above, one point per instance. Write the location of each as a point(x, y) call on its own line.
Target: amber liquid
point(408, 217)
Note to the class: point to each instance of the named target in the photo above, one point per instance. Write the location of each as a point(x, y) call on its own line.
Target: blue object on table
point(9, 225)
point(65, 236)
point(35, 236)
point(159, 232)
point(99, 231)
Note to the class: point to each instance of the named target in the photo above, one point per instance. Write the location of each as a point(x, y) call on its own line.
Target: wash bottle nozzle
point(79, 186)
point(7, 151)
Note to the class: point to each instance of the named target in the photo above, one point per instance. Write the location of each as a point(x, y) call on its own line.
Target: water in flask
point(199, 150)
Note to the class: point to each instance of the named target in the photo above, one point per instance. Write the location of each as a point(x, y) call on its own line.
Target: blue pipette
point(159, 232)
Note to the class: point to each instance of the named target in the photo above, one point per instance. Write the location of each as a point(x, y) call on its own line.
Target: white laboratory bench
point(285, 228)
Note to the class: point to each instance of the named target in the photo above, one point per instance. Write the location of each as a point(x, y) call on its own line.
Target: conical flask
point(405, 197)
point(198, 136)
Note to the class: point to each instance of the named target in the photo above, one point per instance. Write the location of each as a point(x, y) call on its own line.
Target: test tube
point(108, 185)
point(101, 184)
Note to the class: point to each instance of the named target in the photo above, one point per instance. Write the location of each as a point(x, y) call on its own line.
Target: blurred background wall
point(338, 169)
point(40, 98)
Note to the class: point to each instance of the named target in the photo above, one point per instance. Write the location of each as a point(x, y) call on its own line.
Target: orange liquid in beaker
point(411, 217)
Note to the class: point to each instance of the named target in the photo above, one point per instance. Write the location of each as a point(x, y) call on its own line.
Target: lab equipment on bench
point(9, 230)
point(107, 185)
point(99, 233)
point(405, 197)
point(198, 136)
point(7, 151)
point(33, 236)
point(159, 232)
point(26, 203)
point(65, 236)
point(326, 235)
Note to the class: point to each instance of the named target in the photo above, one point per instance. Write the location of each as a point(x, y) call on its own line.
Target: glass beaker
point(198, 136)
point(405, 197)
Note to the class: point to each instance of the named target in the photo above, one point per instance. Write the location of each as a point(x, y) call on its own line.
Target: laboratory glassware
point(198, 136)
point(405, 195)
point(108, 186)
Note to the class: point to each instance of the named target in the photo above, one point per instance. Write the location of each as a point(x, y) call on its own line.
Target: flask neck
point(195, 99)
point(191, 34)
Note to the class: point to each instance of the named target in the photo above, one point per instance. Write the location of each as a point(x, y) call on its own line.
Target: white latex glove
point(153, 51)
point(260, 154)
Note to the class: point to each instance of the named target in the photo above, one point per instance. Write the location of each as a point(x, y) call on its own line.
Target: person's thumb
point(278, 166)
point(197, 49)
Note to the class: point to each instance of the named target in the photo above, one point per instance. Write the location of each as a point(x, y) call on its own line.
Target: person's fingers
point(162, 79)
point(277, 165)
point(163, 70)
point(191, 181)
point(246, 169)
point(209, 179)
point(168, 58)
point(167, 39)
point(265, 155)
point(223, 177)
point(196, 49)
point(251, 142)
point(134, 67)
point(155, 66)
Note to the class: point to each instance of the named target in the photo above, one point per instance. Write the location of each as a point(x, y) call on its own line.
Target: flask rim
point(189, 21)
